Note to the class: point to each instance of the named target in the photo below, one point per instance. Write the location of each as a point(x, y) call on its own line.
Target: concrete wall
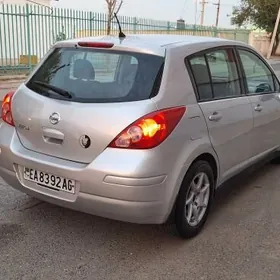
point(261, 41)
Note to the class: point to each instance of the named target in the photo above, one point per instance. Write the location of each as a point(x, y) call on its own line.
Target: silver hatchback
point(139, 129)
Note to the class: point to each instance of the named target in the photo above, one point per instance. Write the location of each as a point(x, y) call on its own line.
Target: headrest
point(201, 73)
point(83, 69)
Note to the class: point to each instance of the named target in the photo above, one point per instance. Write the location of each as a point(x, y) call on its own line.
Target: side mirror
point(212, 57)
point(264, 87)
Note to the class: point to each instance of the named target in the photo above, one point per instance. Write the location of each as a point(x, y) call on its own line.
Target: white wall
point(19, 2)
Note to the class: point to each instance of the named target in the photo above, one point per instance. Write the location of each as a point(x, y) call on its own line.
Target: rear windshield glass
point(90, 75)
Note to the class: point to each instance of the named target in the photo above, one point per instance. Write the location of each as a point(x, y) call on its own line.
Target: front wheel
point(194, 199)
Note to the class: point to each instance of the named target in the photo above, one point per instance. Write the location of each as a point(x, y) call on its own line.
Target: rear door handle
point(215, 117)
point(258, 108)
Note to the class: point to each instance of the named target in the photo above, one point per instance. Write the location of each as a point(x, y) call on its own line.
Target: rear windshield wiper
point(58, 68)
point(57, 90)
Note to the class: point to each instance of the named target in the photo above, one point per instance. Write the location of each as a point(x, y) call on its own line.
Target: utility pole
point(274, 35)
point(218, 12)
point(195, 19)
point(203, 5)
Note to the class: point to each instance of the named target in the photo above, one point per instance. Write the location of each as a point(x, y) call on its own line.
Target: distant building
point(181, 25)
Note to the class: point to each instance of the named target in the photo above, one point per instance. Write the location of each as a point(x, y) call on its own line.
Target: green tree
point(260, 13)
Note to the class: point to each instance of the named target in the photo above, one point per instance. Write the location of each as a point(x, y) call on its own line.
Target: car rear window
point(98, 76)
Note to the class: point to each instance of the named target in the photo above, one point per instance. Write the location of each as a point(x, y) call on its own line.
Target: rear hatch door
point(106, 91)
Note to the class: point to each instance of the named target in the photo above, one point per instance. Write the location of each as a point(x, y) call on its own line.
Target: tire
point(193, 204)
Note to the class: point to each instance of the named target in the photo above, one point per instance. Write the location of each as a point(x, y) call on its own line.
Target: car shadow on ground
point(239, 184)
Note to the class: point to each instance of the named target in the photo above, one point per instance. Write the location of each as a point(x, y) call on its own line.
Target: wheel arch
point(213, 162)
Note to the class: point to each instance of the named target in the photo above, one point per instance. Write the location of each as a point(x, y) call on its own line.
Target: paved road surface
point(240, 241)
point(276, 66)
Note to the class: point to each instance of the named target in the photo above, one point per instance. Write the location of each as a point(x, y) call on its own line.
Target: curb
point(273, 62)
point(10, 85)
point(13, 77)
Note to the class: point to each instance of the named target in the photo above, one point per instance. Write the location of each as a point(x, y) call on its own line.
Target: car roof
point(151, 43)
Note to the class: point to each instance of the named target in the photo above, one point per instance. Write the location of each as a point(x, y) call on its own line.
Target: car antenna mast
point(121, 34)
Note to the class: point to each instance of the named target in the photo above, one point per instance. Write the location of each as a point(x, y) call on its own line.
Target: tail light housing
point(7, 109)
point(150, 130)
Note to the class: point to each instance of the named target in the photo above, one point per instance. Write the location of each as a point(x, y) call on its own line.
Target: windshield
point(92, 76)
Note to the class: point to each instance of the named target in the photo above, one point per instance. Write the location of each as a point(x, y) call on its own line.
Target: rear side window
point(215, 74)
point(93, 76)
point(202, 78)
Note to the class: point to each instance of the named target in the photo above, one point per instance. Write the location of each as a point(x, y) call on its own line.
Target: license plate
point(48, 180)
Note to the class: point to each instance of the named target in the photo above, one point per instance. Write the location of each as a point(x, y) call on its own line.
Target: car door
point(261, 89)
point(227, 111)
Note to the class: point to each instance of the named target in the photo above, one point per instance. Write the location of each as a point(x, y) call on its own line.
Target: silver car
point(140, 129)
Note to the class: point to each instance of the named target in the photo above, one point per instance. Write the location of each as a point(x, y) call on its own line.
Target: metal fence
point(28, 31)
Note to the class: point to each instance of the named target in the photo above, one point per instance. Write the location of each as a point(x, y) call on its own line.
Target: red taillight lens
point(104, 45)
point(150, 130)
point(7, 109)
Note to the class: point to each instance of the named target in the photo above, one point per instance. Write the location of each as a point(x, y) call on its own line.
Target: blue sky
point(160, 9)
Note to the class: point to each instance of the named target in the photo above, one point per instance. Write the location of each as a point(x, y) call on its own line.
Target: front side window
point(259, 78)
point(224, 75)
point(277, 84)
point(97, 76)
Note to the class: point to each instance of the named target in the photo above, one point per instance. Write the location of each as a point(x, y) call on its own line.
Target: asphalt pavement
point(240, 241)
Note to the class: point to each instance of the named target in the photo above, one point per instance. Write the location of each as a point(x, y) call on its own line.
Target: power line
point(183, 8)
point(203, 7)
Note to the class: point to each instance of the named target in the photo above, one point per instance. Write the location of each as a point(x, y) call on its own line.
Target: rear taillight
point(150, 130)
point(7, 109)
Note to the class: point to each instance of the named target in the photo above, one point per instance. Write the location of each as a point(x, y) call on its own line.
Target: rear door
point(227, 112)
point(262, 89)
point(80, 99)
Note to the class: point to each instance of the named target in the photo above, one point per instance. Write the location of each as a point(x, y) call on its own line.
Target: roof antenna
point(121, 34)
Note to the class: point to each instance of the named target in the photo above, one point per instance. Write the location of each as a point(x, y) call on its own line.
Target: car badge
point(54, 118)
point(85, 141)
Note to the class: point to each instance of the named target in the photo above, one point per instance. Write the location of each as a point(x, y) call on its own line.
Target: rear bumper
point(128, 211)
point(109, 187)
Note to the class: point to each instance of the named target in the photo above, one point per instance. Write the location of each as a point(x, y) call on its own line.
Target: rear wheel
point(194, 199)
